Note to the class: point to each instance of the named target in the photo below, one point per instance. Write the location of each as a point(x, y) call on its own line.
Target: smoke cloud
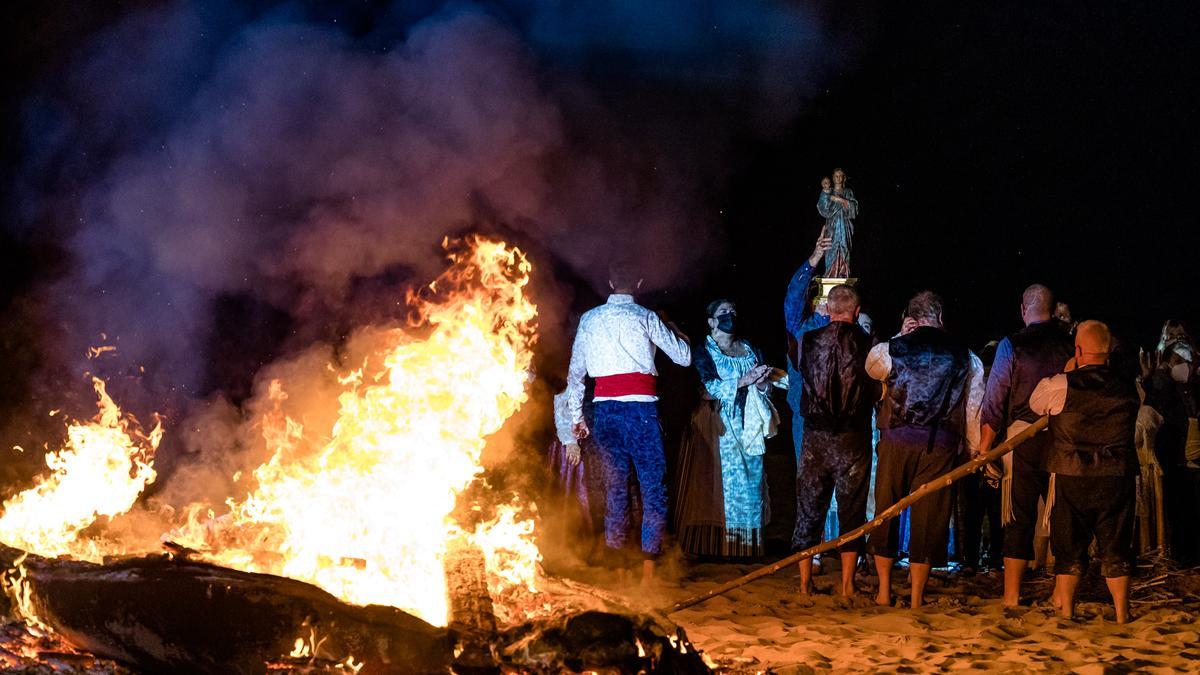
point(301, 164)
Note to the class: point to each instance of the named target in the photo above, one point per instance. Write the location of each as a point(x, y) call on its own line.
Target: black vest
point(1093, 435)
point(1039, 350)
point(837, 394)
point(927, 384)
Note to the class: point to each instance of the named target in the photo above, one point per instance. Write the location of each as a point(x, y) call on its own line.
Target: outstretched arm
point(669, 339)
point(797, 293)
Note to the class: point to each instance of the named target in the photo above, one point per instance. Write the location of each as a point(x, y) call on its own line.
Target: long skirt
point(700, 517)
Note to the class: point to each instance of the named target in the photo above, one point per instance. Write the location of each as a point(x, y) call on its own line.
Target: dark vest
point(927, 384)
point(837, 394)
point(1039, 350)
point(1093, 435)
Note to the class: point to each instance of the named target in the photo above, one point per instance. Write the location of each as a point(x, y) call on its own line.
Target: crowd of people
point(878, 418)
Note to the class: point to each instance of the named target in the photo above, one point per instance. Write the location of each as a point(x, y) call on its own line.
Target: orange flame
point(101, 471)
point(367, 515)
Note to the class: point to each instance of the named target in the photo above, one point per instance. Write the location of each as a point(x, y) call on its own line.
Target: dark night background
point(991, 145)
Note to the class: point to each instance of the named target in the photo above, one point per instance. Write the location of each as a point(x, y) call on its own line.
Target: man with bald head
point(1093, 410)
point(1038, 350)
point(837, 398)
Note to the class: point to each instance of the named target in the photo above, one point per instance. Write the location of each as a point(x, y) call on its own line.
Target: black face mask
point(726, 323)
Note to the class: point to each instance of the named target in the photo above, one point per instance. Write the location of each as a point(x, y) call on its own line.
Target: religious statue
point(839, 208)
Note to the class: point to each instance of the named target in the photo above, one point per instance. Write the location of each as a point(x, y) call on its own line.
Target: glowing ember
point(101, 471)
point(366, 514)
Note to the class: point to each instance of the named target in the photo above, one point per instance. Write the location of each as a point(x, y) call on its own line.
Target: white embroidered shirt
point(616, 338)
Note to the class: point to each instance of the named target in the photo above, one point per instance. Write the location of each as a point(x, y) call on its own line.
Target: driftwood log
point(170, 614)
point(940, 483)
point(158, 614)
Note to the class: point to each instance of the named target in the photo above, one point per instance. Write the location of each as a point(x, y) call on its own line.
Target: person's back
point(925, 388)
point(929, 415)
point(619, 332)
point(1039, 350)
point(837, 392)
point(615, 344)
point(1093, 412)
point(836, 458)
point(1093, 434)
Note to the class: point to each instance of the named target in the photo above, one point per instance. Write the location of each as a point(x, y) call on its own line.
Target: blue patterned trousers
point(628, 435)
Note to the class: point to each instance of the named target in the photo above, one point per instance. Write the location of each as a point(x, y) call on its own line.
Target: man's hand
point(573, 454)
point(993, 472)
point(1149, 362)
point(823, 244)
point(672, 327)
point(822, 307)
point(909, 325)
point(581, 430)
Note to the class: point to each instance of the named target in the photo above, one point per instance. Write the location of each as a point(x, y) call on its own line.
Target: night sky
point(991, 145)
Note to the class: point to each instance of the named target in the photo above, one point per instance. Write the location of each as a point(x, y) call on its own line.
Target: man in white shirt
point(615, 344)
point(1093, 415)
point(935, 388)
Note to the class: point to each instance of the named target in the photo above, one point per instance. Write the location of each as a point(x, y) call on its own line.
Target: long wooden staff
point(939, 483)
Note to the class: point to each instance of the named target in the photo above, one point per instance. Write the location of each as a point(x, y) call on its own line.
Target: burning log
point(170, 614)
point(161, 614)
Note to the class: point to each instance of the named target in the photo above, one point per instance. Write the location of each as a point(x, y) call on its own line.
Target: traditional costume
point(799, 319)
point(837, 401)
point(580, 486)
point(615, 345)
point(1174, 395)
point(934, 392)
point(1093, 414)
point(1037, 351)
point(723, 504)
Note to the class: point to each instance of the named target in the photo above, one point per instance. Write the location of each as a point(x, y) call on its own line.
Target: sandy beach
point(767, 627)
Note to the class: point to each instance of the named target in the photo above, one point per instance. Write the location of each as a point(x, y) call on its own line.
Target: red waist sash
point(626, 384)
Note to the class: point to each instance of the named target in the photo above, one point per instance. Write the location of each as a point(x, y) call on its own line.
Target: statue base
point(827, 284)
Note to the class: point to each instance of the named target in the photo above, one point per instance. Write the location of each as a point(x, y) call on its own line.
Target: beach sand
point(766, 627)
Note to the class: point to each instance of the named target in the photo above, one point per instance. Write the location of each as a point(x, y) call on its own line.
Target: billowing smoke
point(222, 176)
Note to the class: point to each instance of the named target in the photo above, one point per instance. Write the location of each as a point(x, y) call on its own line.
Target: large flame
point(367, 515)
point(100, 472)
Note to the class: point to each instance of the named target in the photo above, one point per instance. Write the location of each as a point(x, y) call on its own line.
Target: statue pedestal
point(827, 284)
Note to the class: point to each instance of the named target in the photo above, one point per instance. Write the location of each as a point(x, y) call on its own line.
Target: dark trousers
point(1093, 506)
point(902, 467)
point(832, 461)
point(629, 435)
point(1181, 497)
point(978, 506)
point(1028, 485)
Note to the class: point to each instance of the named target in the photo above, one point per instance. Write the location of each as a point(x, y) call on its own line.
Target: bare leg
point(1014, 572)
point(1119, 588)
point(883, 567)
point(647, 571)
point(849, 566)
point(918, 574)
point(1065, 588)
point(806, 570)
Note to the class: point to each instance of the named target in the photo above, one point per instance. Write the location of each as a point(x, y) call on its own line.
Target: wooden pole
point(939, 483)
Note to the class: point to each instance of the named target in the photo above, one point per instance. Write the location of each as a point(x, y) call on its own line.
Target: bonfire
point(356, 549)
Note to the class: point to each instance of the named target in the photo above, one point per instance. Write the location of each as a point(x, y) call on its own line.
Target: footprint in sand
point(1007, 631)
